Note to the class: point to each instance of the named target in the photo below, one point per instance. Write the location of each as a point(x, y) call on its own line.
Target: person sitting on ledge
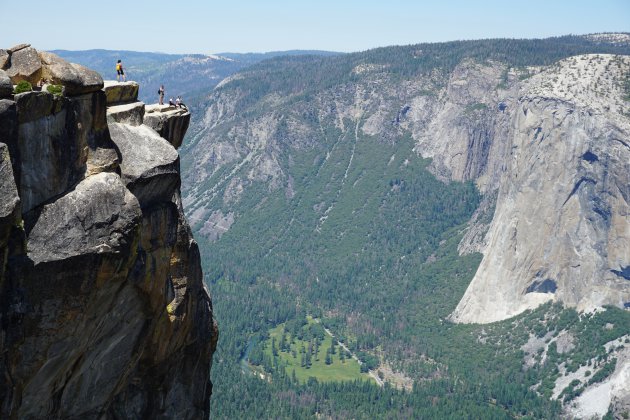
point(170, 102)
point(180, 104)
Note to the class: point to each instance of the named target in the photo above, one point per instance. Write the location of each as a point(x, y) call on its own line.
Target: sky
point(208, 26)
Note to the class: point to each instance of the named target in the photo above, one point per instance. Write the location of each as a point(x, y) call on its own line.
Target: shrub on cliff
point(55, 89)
point(22, 87)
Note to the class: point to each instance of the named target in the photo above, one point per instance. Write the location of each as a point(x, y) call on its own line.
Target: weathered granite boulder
point(6, 87)
point(18, 47)
point(98, 216)
point(25, 65)
point(76, 79)
point(170, 122)
point(131, 114)
point(120, 92)
point(150, 165)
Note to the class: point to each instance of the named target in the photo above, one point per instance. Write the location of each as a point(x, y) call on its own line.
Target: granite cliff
point(104, 310)
point(561, 229)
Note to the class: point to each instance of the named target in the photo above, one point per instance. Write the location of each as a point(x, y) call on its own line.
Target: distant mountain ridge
point(189, 75)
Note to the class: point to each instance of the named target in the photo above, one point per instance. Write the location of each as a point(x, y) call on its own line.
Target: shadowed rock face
point(6, 88)
point(104, 313)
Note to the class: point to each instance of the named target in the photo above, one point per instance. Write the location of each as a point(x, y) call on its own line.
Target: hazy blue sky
point(201, 26)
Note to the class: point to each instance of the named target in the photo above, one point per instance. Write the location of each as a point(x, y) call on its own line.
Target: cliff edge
point(104, 311)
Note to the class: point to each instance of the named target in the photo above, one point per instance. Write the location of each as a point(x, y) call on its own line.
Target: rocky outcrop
point(169, 121)
point(122, 103)
point(104, 311)
point(25, 65)
point(75, 79)
point(120, 92)
point(150, 168)
point(23, 62)
point(130, 114)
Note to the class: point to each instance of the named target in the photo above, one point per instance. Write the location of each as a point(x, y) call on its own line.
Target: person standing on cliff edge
point(120, 71)
point(161, 95)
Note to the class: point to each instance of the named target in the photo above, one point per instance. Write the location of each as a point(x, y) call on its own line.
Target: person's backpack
point(159, 91)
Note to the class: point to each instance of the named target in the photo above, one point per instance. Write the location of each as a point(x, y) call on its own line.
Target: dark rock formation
point(6, 88)
point(9, 205)
point(104, 313)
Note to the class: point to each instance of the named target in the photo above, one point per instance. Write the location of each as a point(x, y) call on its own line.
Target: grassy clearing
point(293, 357)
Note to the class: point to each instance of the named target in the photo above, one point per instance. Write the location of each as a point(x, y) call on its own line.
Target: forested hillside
point(307, 190)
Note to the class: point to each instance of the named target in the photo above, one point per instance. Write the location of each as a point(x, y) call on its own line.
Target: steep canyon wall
point(104, 310)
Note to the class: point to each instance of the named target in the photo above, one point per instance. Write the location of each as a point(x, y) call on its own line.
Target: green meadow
point(307, 351)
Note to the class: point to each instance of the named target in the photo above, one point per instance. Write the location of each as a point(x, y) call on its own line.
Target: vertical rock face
point(561, 229)
point(104, 311)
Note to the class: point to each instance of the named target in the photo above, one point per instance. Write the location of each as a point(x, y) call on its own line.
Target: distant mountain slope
point(343, 186)
point(188, 75)
point(456, 100)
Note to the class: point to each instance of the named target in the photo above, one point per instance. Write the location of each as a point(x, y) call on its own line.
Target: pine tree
point(328, 357)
